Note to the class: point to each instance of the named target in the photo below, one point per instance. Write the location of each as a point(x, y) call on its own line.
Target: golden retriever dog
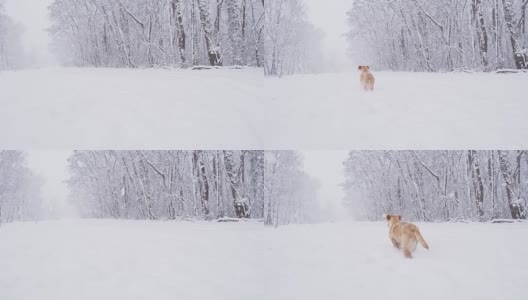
point(404, 235)
point(366, 78)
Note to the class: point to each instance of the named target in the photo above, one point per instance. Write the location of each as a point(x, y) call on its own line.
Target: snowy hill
point(105, 259)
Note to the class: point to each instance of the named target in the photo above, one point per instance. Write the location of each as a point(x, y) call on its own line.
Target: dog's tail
point(420, 238)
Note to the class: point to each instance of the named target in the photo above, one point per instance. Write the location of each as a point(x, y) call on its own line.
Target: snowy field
point(425, 111)
point(105, 259)
point(236, 109)
point(129, 109)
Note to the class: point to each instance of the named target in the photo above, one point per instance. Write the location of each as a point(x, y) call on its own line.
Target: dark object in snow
point(234, 220)
point(217, 68)
point(228, 220)
point(498, 221)
point(242, 208)
point(510, 71)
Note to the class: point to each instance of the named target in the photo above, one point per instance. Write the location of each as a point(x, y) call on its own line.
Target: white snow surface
point(421, 111)
point(72, 108)
point(107, 259)
point(75, 108)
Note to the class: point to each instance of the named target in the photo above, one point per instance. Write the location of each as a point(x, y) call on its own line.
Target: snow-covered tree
point(168, 184)
point(419, 35)
point(11, 54)
point(19, 189)
point(290, 194)
point(438, 185)
point(292, 43)
point(151, 33)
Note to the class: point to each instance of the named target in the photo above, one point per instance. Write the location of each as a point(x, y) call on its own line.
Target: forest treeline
point(158, 33)
point(168, 184)
point(441, 35)
point(20, 198)
point(10, 44)
point(277, 35)
point(292, 42)
point(189, 184)
point(273, 186)
point(290, 193)
point(437, 185)
point(272, 34)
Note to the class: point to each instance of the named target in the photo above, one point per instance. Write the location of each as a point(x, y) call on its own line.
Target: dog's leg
point(371, 85)
point(407, 253)
point(395, 244)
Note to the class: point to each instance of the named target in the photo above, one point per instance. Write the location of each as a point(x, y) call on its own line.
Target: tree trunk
point(213, 51)
point(203, 182)
point(177, 16)
point(257, 179)
point(234, 30)
point(476, 176)
point(505, 167)
point(520, 58)
point(482, 33)
point(241, 210)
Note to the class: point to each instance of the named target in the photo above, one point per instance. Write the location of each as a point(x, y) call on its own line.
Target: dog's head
point(363, 68)
point(391, 219)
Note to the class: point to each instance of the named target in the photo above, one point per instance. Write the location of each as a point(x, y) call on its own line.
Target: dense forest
point(292, 43)
point(272, 185)
point(189, 184)
point(158, 33)
point(10, 45)
point(443, 35)
point(437, 185)
point(277, 35)
point(168, 184)
point(19, 189)
point(290, 194)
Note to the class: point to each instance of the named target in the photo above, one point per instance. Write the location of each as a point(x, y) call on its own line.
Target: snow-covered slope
point(235, 109)
point(104, 259)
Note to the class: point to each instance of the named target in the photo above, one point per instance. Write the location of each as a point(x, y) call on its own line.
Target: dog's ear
point(388, 217)
point(399, 218)
point(359, 68)
point(368, 68)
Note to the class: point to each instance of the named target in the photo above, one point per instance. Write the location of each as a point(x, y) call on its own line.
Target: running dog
point(366, 78)
point(404, 235)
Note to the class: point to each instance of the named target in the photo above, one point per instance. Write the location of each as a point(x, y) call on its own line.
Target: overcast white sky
point(330, 17)
point(33, 15)
point(327, 168)
point(48, 164)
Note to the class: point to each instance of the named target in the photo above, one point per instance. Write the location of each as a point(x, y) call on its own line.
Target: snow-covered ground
point(105, 259)
point(70, 108)
point(235, 109)
point(425, 111)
